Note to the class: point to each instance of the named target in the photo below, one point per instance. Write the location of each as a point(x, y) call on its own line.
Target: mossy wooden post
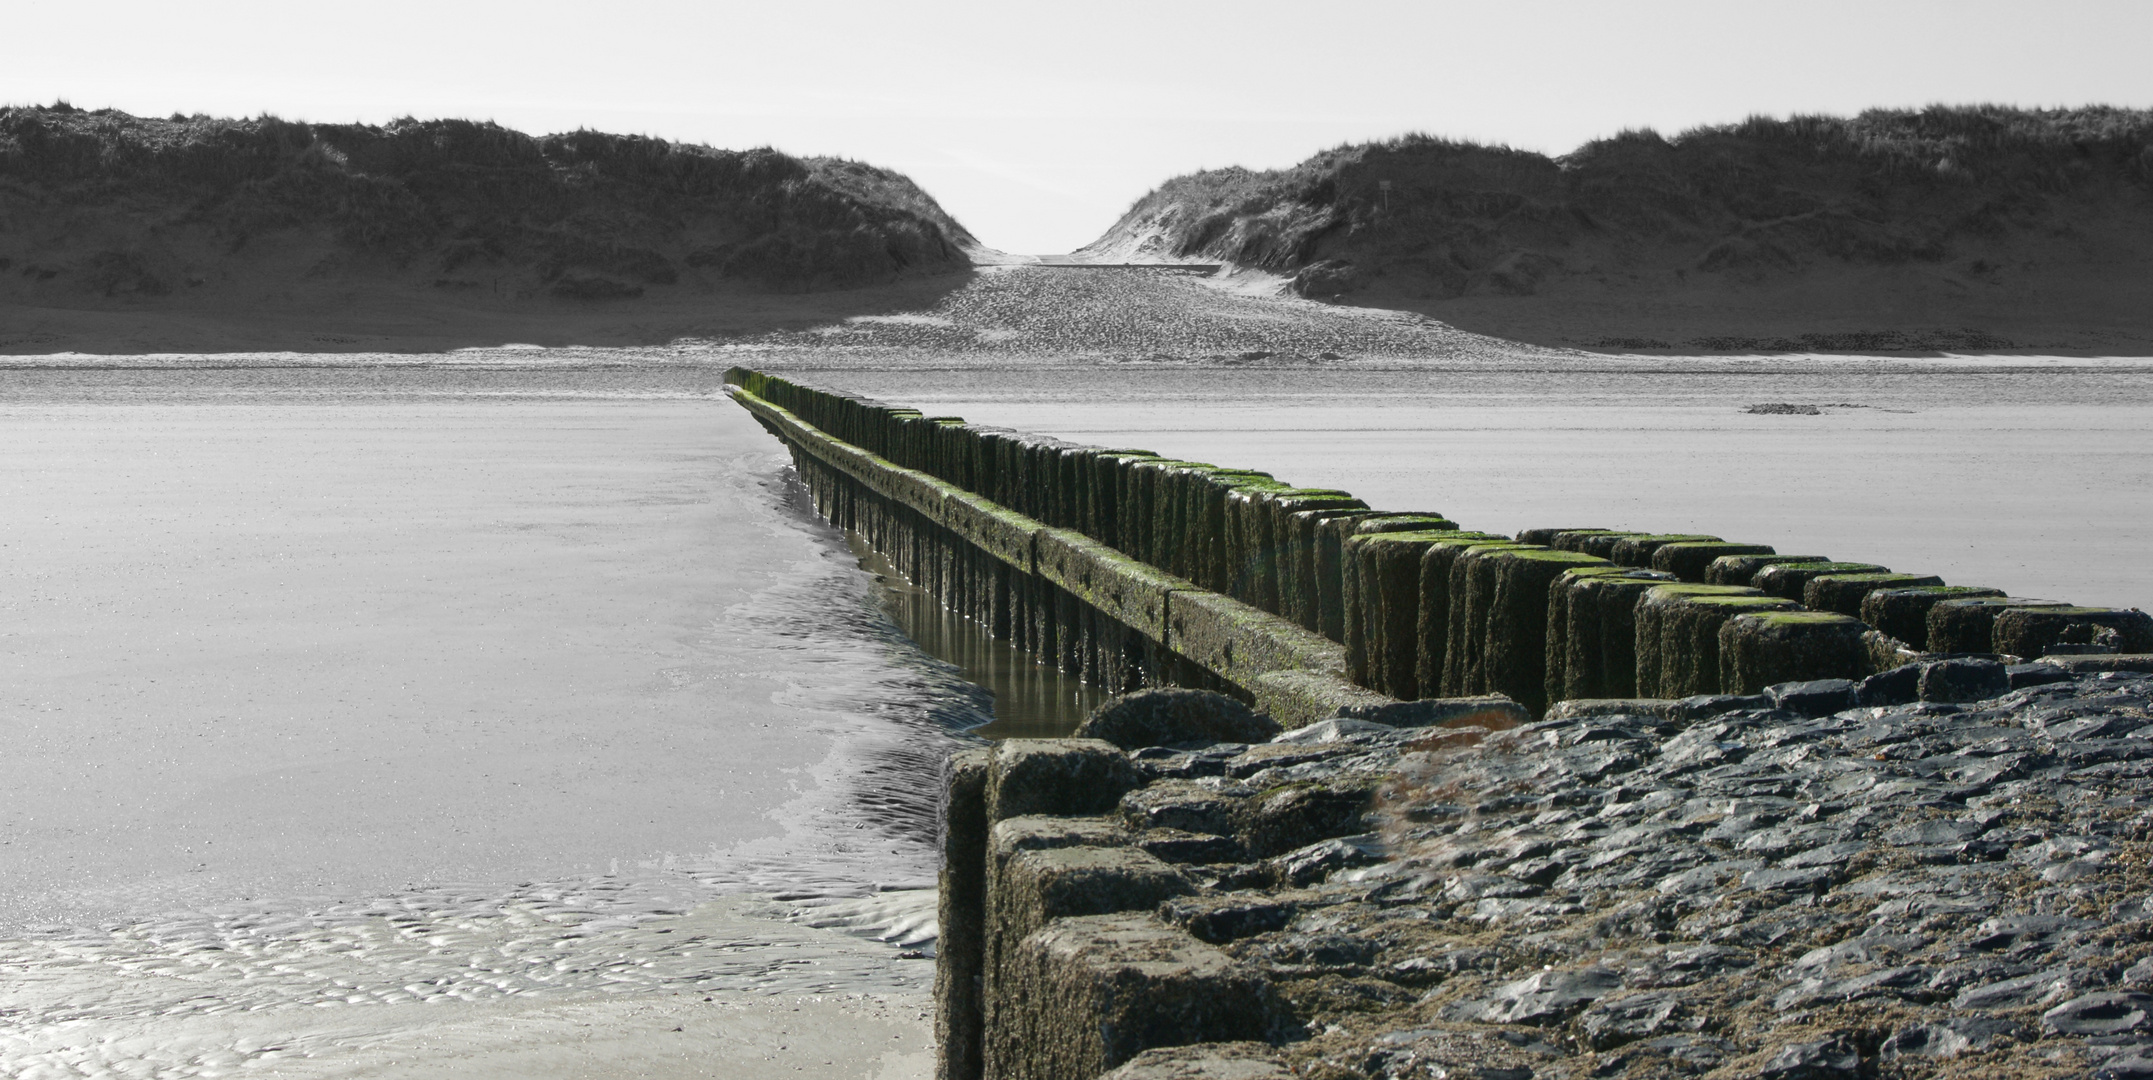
point(1904, 613)
point(1190, 514)
point(1688, 560)
point(1678, 635)
point(1760, 649)
point(1740, 569)
point(1592, 631)
point(1637, 550)
point(1787, 580)
point(1432, 609)
point(2028, 632)
point(1546, 537)
point(1389, 592)
point(1517, 644)
point(961, 911)
point(1468, 603)
point(1337, 577)
point(1109, 490)
point(1215, 560)
point(1295, 538)
point(1245, 553)
point(1844, 593)
point(1600, 542)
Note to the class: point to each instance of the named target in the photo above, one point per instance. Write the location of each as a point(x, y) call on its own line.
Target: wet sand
point(492, 716)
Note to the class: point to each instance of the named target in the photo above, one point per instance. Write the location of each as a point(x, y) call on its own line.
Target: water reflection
point(1031, 700)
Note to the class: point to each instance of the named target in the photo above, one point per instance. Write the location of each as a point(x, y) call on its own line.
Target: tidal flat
point(378, 711)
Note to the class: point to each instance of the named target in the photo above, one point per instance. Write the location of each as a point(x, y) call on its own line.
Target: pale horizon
point(1037, 129)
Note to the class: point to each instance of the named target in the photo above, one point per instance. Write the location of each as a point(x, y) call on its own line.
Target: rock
point(1817, 697)
point(1827, 1059)
point(2104, 1014)
point(1223, 917)
point(1947, 1038)
point(1184, 805)
point(1295, 815)
point(1585, 708)
point(1056, 776)
point(1493, 711)
point(2042, 674)
point(1897, 686)
point(1331, 730)
point(1125, 984)
point(1963, 680)
point(1172, 716)
point(1545, 997)
point(1611, 1023)
point(1204, 1061)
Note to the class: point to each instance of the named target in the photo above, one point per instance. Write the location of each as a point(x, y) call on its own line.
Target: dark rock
point(1204, 1061)
point(1544, 997)
point(2025, 675)
point(1703, 706)
point(1946, 1038)
point(1823, 1060)
point(1610, 1023)
point(1056, 776)
point(1181, 804)
point(1222, 917)
point(1491, 711)
point(1176, 846)
point(2103, 1014)
point(1318, 860)
point(1818, 697)
point(1172, 715)
point(1897, 686)
point(1964, 680)
point(1296, 815)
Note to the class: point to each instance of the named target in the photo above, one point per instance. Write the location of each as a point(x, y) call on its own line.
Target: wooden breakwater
point(1134, 569)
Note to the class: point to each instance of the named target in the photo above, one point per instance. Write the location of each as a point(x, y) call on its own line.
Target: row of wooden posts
point(1422, 607)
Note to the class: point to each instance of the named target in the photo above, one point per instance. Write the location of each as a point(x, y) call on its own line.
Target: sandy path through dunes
point(356, 738)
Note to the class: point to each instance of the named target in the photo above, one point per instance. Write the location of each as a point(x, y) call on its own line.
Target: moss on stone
point(1636, 550)
point(2030, 631)
point(1678, 635)
point(1592, 631)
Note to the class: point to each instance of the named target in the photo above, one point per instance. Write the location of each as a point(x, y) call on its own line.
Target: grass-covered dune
point(1956, 228)
point(425, 226)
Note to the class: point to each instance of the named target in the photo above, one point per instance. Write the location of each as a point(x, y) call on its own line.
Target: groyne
point(1535, 784)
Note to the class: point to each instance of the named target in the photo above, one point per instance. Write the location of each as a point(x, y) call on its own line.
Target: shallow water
point(430, 693)
point(1031, 700)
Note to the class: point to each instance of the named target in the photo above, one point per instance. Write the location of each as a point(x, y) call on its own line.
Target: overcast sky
point(1036, 124)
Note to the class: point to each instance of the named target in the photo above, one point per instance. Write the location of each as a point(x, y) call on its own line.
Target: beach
point(416, 723)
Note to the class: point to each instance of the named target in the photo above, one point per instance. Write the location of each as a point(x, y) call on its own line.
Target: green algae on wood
point(1844, 593)
point(1760, 649)
point(1903, 613)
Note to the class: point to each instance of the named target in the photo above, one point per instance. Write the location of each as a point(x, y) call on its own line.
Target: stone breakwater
point(1929, 889)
